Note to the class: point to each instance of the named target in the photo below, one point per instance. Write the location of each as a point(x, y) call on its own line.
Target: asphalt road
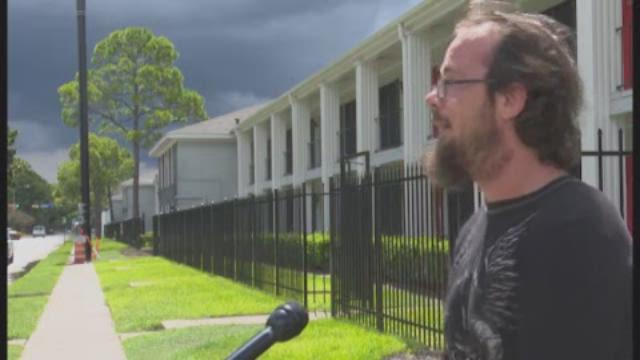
point(28, 250)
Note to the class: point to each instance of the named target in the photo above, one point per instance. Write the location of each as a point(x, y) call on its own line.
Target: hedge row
point(413, 259)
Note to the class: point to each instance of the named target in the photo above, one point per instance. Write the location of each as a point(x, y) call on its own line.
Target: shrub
point(417, 260)
point(146, 239)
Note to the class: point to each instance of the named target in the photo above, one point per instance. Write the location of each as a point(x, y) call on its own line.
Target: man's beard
point(456, 163)
point(444, 166)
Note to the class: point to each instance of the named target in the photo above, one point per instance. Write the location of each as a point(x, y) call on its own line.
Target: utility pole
point(84, 126)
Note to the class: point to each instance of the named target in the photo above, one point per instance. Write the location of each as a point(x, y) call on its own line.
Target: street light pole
point(84, 125)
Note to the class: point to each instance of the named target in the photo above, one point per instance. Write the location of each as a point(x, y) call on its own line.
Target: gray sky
point(235, 53)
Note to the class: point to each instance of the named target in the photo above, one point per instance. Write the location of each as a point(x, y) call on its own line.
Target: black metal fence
point(263, 242)
point(608, 162)
point(391, 247)
point(126, 231)
point(383, 263)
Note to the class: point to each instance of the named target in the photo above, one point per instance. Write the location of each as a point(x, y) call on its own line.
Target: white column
point(329, 123)
point(278, 146)
point(416, 82)
point(243, 163)
point(367, 109)
point(300, 117)
point(589, 28)
point(260, 154)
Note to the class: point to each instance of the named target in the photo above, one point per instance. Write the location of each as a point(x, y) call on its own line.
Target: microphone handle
point(254, 347)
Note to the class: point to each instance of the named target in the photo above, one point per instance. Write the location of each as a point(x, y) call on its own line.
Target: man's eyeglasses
point(441, 85)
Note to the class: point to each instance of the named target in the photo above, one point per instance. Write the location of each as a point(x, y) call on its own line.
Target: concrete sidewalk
point(76, 323)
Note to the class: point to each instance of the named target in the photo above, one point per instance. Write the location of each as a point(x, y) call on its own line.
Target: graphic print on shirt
point(483, 295)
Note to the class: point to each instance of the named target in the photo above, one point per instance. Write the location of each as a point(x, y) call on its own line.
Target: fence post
point(252, 237)
point(233, 239)
point(276, 228)
point(332, 244)
point(600, 181)
point(377, 251)
point(620, 173)
point(304, 243)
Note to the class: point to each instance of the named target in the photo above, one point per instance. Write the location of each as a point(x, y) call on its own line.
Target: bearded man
point(543, 269)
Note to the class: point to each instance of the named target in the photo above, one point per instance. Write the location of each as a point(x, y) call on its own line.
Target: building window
point(314, 145)
point(288, 154)
point(390, 119)
point(252, 166)
point(268, 160)
point(347, 131)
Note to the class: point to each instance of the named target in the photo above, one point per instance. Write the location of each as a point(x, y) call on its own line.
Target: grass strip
point(109, 249)
point(322, 339)
point(172, 291)
point(28, 295)
point(14, 352)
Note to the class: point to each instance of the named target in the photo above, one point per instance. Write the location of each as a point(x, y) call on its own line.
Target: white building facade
point(372, 101)
point(197, 163)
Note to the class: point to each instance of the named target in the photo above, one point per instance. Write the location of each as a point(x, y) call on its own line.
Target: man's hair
point(537, 52)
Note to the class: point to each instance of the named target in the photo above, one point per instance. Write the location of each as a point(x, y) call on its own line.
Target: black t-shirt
point(544, 276)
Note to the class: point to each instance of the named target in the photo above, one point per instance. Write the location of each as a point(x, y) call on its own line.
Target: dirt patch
point(420, 354)
point(17, 275)
point(133, 252)
point(137, 284)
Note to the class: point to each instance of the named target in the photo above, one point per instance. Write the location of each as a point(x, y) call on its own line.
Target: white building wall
point(598, 62)
point(260, 135)
point(243, 161)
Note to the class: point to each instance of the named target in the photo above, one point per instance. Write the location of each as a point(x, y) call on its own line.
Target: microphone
point(284, 323)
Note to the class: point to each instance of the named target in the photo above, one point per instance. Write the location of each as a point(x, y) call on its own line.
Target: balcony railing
point(315, 155)
point(390, 130)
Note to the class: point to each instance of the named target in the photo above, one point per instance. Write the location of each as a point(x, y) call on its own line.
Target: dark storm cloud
point(235, 53)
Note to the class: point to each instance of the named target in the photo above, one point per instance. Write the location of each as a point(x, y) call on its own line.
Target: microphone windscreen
point(288, 320)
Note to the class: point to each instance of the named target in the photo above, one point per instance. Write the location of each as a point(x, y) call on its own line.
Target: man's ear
point(511, 100)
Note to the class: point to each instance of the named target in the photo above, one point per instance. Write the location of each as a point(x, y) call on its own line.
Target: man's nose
point(431, 98)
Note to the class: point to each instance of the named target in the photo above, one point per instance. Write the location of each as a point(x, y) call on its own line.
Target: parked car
point(39, 230)
point(9, 247)
point(12, 234)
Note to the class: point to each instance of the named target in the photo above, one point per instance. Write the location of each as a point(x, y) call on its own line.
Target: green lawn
point(110, 250)
point(14, 352)
point(28, 295)
point(322, 339)
point(142, 292)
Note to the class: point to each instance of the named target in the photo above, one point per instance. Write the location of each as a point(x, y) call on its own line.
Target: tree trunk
point(97, 215)
point(136, 169)
point(136, 150)
point(111, 219)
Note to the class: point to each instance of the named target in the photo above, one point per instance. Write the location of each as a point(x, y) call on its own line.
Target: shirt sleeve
point(575, 293)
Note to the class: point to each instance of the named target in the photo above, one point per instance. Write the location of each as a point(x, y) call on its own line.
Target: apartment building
point(369, 104)
point(197, 163)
